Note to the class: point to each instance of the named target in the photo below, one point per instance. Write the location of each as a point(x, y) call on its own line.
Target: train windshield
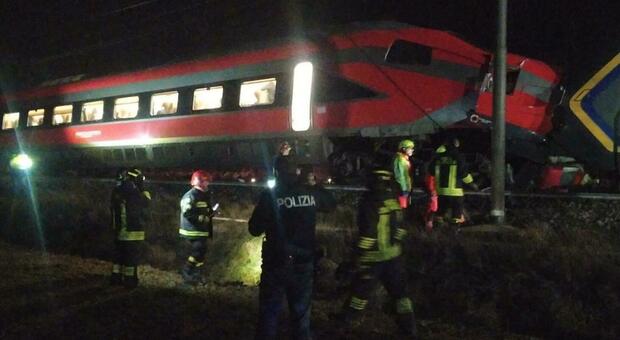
point(512, 76)
point(409, 53)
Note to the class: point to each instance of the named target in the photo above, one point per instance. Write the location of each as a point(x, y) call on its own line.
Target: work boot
point(348, 317)
point(130, 282)
point(406, 325)
point(116, 279)
point(189, 274)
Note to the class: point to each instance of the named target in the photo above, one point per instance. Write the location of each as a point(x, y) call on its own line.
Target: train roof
point(320, 37)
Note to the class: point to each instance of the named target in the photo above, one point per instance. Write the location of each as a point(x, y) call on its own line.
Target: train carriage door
point(301, 99)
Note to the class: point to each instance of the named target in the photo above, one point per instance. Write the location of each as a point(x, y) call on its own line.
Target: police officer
point(196, 225)
point(286, 215)
point(128, 205)
point(402, 170)
point(378, 252)
point(448, 172)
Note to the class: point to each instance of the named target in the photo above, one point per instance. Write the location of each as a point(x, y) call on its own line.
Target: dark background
point(48, 40)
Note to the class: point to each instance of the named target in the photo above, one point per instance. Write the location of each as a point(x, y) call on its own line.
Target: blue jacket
point(287, 217)
point(196, 214)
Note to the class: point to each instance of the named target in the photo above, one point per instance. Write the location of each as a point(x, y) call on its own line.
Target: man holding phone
point(196, 226)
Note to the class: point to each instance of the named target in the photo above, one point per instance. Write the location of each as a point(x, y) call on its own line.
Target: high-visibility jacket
point(128, 207)
point(196, 214)
point(380, 221)
point(402, 171)
point(449, 171)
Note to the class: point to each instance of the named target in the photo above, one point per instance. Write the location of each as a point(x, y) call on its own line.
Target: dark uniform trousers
point(451, 206)
point(390, 273)
point(195, 227)
point(192, 270)
point(127, 207)
point(293, 281)
point(126, 261)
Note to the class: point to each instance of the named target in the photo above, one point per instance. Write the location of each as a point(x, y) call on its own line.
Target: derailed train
point(335, 97)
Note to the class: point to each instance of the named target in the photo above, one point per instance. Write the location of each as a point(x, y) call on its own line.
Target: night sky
point(66, 37)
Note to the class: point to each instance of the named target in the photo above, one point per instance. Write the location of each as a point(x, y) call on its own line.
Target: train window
point(35, 117)
point(164, 103)
point(92, 111)
point(410, 53)
point(62, 114)
point(257, 92)
point(208, 98)
point(126, 107)
point(10, 120)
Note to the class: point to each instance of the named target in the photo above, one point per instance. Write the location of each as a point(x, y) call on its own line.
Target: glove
point(403, 199)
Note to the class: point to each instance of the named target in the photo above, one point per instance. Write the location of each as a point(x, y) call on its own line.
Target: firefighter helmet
point(135, 175)
point(406, 144)
point(200, 179)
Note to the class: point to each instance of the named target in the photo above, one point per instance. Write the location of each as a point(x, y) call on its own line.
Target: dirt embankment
point(556, 276)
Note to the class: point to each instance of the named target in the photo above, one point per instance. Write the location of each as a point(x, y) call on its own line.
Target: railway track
point(609, 196)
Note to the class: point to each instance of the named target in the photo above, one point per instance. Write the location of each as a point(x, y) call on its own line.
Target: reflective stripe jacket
point(196, 214)
point(402, 172)
point(128, 208)
point(450, 172)
point(379, 220)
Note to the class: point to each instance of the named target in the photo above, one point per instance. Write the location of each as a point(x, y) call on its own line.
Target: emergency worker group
point(285, 217)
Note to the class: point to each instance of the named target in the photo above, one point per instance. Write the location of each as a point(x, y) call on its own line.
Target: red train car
point(331, 95)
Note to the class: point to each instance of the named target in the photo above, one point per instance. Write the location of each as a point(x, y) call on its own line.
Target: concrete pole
point(498, 136)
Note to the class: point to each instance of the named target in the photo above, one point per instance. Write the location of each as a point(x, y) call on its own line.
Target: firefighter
point(403, 170)
point(196, 226)
point(377, 252)
point(128, 206)
point(448, 172)
point(286, 215)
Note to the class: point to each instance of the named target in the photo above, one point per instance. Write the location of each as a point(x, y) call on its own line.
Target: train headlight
point(21, 162)
point(302, 94)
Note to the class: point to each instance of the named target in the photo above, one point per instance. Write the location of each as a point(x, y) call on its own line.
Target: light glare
point(271, 183)
point(21, 162)
point(302, 93)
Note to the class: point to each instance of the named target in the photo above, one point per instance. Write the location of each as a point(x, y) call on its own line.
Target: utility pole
point(498, 135)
